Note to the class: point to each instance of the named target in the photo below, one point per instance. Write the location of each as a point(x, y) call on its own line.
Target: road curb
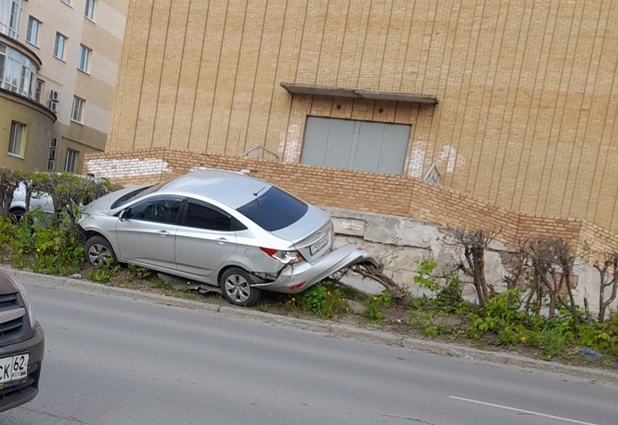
point(328, 328)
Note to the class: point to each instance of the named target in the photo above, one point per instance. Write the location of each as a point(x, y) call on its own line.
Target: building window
point(17, 72)
point(9, 17)
point(32, 35)
point(89, 13)
point(77, 109)
point(59, 46)
point(16, 140)
point(51, 162)
point(69, 162)
point(38, 90)
point(83, 60)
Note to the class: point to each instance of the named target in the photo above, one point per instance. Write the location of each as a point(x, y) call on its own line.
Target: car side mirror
point(125, 214)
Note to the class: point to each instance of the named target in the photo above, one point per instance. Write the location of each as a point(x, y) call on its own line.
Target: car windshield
point(131, 195)
point(274, 209)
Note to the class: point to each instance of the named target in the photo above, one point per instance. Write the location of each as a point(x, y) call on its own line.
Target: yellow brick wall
point(362, 191)
point(527, 89)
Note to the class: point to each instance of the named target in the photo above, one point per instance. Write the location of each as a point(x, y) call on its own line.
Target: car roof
point(230, 188)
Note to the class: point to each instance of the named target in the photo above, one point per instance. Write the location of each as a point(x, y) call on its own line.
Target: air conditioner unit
point(53, 106)
point(54, 96)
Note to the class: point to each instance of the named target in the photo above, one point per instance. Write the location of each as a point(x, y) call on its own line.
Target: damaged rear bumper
point(300, 276)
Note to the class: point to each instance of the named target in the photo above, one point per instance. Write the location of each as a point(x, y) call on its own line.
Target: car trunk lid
point(312, 235)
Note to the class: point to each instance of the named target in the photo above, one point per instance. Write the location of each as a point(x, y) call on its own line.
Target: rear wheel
point(99, 252)
point(236, 287)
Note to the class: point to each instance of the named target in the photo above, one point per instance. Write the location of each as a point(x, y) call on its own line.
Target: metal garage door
point(356, 145)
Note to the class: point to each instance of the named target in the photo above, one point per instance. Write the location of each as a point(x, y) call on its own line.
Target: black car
point(21, 345)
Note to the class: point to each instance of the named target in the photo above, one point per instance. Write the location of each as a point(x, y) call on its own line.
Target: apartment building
point(59, 64)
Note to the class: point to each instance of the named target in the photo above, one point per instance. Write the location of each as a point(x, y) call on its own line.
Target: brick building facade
point(513, 102)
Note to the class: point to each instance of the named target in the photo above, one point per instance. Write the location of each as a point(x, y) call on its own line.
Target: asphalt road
point(119, 359)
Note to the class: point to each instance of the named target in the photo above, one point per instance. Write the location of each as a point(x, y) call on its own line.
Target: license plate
point(14, 368)
point(319, 244)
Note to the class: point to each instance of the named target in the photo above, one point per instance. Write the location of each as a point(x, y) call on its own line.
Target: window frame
point(70, 158)
point(29, 31)
point(53, 150)
point(17, 72)
point(89, 10)
point(137, 211)
point(208, 224)
point(83, 59)
point(38, 89)
point(77, 110)
point(13, 142)
point(60, 47)
point(11, 12)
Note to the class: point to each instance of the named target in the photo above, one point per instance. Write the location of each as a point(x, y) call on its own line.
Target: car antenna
point(259, 191)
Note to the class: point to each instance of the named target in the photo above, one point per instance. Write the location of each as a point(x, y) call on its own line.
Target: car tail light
point(297, 286)
point(286, 257)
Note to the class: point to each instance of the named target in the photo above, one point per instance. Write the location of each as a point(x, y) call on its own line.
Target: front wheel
point(16, 215)
point(99, 252)
point(236, 287)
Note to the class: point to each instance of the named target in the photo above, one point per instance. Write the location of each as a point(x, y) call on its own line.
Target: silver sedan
point(235, 233)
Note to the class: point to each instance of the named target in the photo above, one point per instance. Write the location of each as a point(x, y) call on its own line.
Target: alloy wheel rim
point(99, 255)
point(237, 288)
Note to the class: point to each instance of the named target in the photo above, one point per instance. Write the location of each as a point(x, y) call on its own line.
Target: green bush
point(600, 336)
point(57, 251)
point(7, 230)
point(501, 315)
point(327, 302)
point(424, 278)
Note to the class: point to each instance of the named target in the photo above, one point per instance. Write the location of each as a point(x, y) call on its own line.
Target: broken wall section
point(402, 244)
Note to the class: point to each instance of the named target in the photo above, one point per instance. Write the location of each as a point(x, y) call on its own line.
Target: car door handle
point(163, 233)
point(222, 241)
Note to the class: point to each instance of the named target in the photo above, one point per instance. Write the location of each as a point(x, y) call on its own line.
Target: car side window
point(204, 217)
point(160, 210)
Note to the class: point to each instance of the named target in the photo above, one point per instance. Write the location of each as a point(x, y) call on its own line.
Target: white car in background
point(38, 200)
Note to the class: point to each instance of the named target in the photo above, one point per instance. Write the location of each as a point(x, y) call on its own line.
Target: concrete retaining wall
point(402, 244)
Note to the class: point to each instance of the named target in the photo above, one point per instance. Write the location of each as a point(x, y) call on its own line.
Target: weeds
point(140, 273)
point(326, 301)
point(47, 250)
point(375, 305)
point(104, 274)
point(163, 284)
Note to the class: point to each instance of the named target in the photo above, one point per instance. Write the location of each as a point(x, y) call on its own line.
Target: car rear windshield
point(274, 209)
